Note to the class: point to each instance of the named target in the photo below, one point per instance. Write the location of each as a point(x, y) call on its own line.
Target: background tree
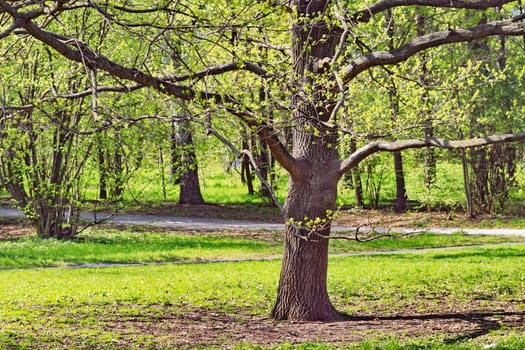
point(44, 146)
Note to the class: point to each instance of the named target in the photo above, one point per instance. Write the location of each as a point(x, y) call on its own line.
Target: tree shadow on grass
point(467, 325)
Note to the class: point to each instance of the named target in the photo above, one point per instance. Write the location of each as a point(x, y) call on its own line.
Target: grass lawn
point(141, 245)
point(464, 298)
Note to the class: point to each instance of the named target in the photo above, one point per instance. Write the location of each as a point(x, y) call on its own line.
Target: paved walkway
point(222, 224)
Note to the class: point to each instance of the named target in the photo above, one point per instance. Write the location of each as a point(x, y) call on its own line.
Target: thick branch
point(383, 5)
point(9, 30)
point(267, 133)
point(379, 58)
point(383, 146)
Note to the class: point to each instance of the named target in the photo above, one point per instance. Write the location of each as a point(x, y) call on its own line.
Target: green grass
point(130, 245)
point(112, 307)
point(390, 283)
point(416, 241)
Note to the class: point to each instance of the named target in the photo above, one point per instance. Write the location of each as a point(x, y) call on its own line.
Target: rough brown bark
point(401, 194)
point(190, 192)
point(302, 293)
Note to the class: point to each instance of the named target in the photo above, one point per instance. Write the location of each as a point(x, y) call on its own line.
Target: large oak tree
point(326, 51)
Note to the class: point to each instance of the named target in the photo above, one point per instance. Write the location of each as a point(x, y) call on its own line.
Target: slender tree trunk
point(265, 160)
point(102, 184)
point(246, 174)
point(401, 198)
point(264, 167)
point(356, 178)
point(466, 185)
point(162, 175)
point(174, 154)
point(117, 171)
point(426, 117)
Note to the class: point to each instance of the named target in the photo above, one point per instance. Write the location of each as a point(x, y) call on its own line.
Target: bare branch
point(383, 5)
point(379, 58)
point(9, 30)
point(383, 146)
point(374, 235)
point(228, 67)
point(75, 95)
point(248, 154)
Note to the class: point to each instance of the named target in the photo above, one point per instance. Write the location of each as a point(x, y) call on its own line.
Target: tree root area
point(204, 328)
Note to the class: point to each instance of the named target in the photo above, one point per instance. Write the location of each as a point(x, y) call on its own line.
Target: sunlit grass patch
point(134, 245)
point(128, 246)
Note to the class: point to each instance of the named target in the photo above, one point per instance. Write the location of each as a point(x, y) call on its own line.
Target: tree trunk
point(246, 174)
point(356, 178)
point(466, 185)
point(190, 192)
point(117, 169)
point(425, 115)
point(102, 184)
point(302, 287)
point(401, 197)
point(302, 293)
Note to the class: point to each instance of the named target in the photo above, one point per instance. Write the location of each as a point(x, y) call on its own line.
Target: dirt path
point(166, 221)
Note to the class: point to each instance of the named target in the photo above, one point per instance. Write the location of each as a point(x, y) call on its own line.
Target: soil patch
point(12, 229)
point(201, 328)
